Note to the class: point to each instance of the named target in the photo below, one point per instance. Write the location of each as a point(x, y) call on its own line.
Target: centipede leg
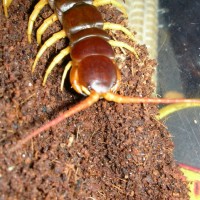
point(47, 22)
point(75, 84)
point(6, 4)
point(118, 27)
point(55, 61)
point(112, 2)
point(123, 45)
point(67, 67)
point(116, 86)
point(85, 91)
point(55, 37)
point(34, 15)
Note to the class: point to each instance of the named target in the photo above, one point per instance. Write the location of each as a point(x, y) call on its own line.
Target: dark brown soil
point(109, 151)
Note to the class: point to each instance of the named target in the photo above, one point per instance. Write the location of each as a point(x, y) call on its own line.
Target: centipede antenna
point(94, 97)
point(123, 99)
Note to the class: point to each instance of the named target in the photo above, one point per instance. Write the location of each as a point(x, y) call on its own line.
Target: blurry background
point(171, 31)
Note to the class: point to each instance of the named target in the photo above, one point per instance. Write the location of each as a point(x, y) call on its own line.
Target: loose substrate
point(109, 151)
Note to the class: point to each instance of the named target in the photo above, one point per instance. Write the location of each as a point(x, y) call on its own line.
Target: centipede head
point(95, 73)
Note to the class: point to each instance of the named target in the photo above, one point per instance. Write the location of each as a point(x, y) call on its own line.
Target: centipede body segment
point(93, 70)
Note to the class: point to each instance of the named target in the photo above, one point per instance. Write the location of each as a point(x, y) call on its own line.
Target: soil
point(108, 151)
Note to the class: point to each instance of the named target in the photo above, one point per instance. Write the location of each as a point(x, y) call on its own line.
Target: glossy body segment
point(91, 46)
point(81, 16)
point(88, 33)
point(62, 6)
point(103, 75)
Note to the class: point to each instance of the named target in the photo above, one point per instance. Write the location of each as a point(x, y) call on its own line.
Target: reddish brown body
point(93, 69)
point(92, 56)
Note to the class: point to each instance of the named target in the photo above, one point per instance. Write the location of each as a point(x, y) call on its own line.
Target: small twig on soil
point(29, 97)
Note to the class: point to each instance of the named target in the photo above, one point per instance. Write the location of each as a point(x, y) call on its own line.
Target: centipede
point(93, 71)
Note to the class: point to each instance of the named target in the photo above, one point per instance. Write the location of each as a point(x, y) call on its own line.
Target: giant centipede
point(93, 70)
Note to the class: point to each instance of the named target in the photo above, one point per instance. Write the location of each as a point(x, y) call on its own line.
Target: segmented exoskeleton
point(93, 65)
point(93, 69)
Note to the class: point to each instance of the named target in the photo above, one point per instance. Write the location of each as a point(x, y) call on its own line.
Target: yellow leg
point(123, 45)
point(47, 22)
point(34, 15)
point(116, 86)
point(55, 61)
point(85, 91)
point(67, 67)
point(6, 4)
point(118, 27)
point(55, 37)
point(112, 2)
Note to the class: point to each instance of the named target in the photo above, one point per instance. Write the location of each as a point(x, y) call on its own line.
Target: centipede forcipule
point(94, 72)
